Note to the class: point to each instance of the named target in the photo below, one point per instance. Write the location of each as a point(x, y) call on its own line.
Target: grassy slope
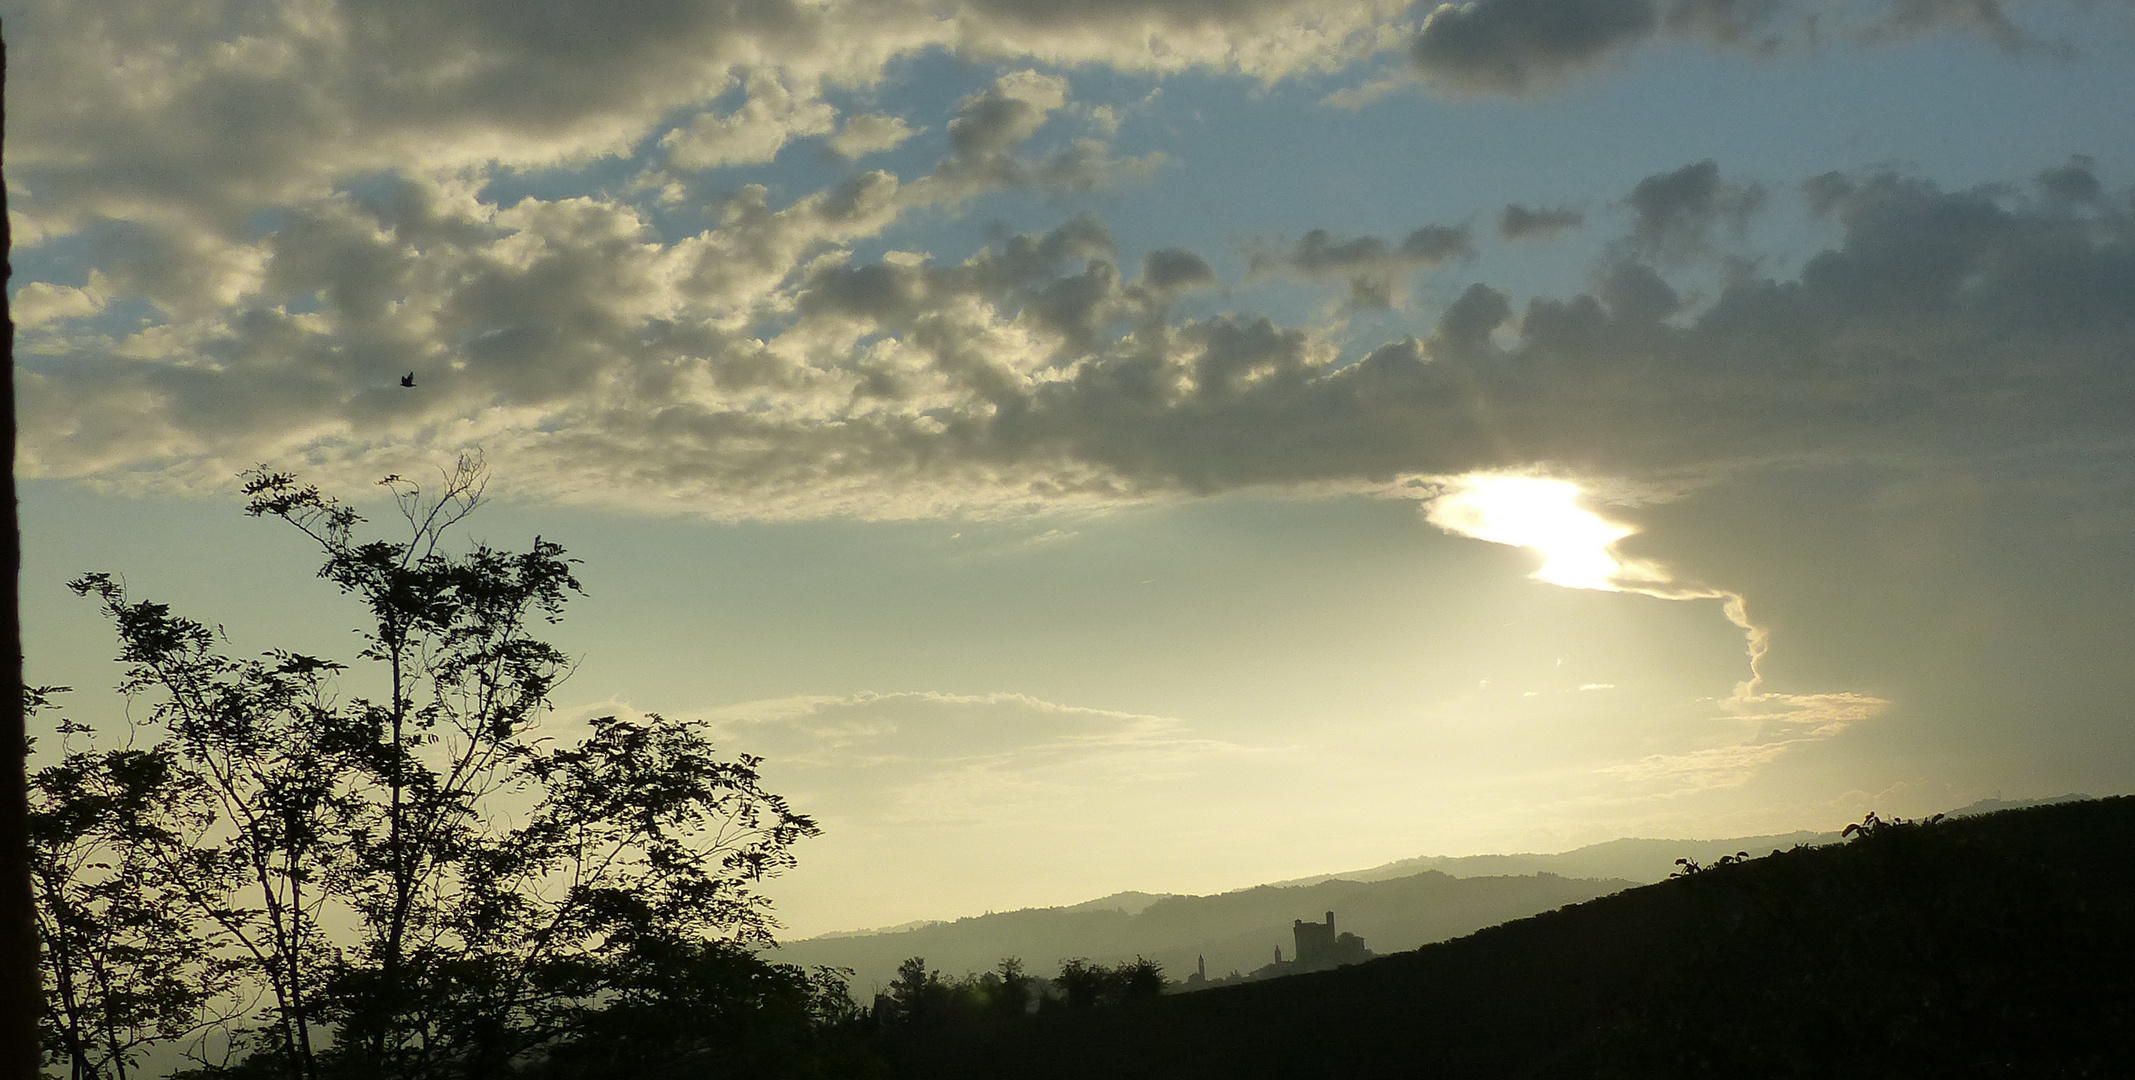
point(2001, 945)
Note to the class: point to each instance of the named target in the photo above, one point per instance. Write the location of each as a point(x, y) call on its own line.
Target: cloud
point(1373, 90)
point(773, 116)
point(991, 123)
point(542, 307)
point(1265, 39)
point(1518, 46)
point(2073, 182)
point(755, 369)
point(1176, 269)
point(1634, 293)
point(1674, 214)
point(1374, 269)
point(1527, 223)
point(41, 302)
point(1006, 113)
point(187, 120)
point(930, 759)
point(187, 123)
point(870, 133)
point(1987, 18)
point(191, 117)
point(1527, 47)
point(211, 110)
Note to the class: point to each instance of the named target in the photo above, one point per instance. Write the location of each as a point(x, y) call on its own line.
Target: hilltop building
point(1314, 940)
point(1320, 948)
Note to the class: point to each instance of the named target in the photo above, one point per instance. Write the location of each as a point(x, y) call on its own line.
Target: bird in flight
point(408, 379)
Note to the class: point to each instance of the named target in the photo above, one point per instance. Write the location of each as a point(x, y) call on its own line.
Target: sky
point(1087, 445)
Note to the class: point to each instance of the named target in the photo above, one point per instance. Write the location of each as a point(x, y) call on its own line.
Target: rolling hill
point(1993, 945)
point(1240, 930)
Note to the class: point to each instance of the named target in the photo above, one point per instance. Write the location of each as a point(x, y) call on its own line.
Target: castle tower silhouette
point(1315, 941)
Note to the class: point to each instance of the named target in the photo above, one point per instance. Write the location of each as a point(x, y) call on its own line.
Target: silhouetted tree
point(19, 998)
point(911, 995)
point(710, 1009)
point(127, 966)
point(1081, 982)
point(922, 999)
point(1012, 988)
point(412, 869)
point(1138, 980)
point(1085, 984)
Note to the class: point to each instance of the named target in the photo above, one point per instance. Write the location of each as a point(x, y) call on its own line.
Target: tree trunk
point(21, 988)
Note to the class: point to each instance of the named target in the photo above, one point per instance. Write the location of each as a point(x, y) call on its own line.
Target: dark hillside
point(2001, 945)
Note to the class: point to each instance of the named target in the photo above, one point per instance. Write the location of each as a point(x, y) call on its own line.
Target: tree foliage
point(922, 999)
point(385, 868)
point(124, 966)
point(1084, 984)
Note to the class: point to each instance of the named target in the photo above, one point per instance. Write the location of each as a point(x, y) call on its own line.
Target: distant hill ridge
point(1394, 906)
point(1636, 859)
point(1233, 931)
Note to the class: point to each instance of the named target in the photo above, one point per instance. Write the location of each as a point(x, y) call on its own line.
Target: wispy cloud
point(929, 759)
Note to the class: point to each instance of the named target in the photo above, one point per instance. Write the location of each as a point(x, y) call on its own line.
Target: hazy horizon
point(1150, 445)
point(1651, 867)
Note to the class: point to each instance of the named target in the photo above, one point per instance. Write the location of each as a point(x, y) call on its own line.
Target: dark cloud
point(1522, 47)
point(1374, 269)
point(1082, 236)
point(1435, 244)
point(1078, 307)
point(1518, 46)
point(1634, 293)
point(1943, 323)
point(1175, 270)
point(1674, 214)
point(1526, 223)
point(2074, 182)
point(1465, 328)
point(1017, 269)
point(989, 126)
point(1006, 113)
point(1318, 252)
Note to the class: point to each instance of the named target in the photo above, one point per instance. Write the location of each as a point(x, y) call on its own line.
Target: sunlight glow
point(1578, 548)
point(1543, 515)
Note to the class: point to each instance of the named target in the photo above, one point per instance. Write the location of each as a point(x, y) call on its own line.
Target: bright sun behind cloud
point(1543, 515)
